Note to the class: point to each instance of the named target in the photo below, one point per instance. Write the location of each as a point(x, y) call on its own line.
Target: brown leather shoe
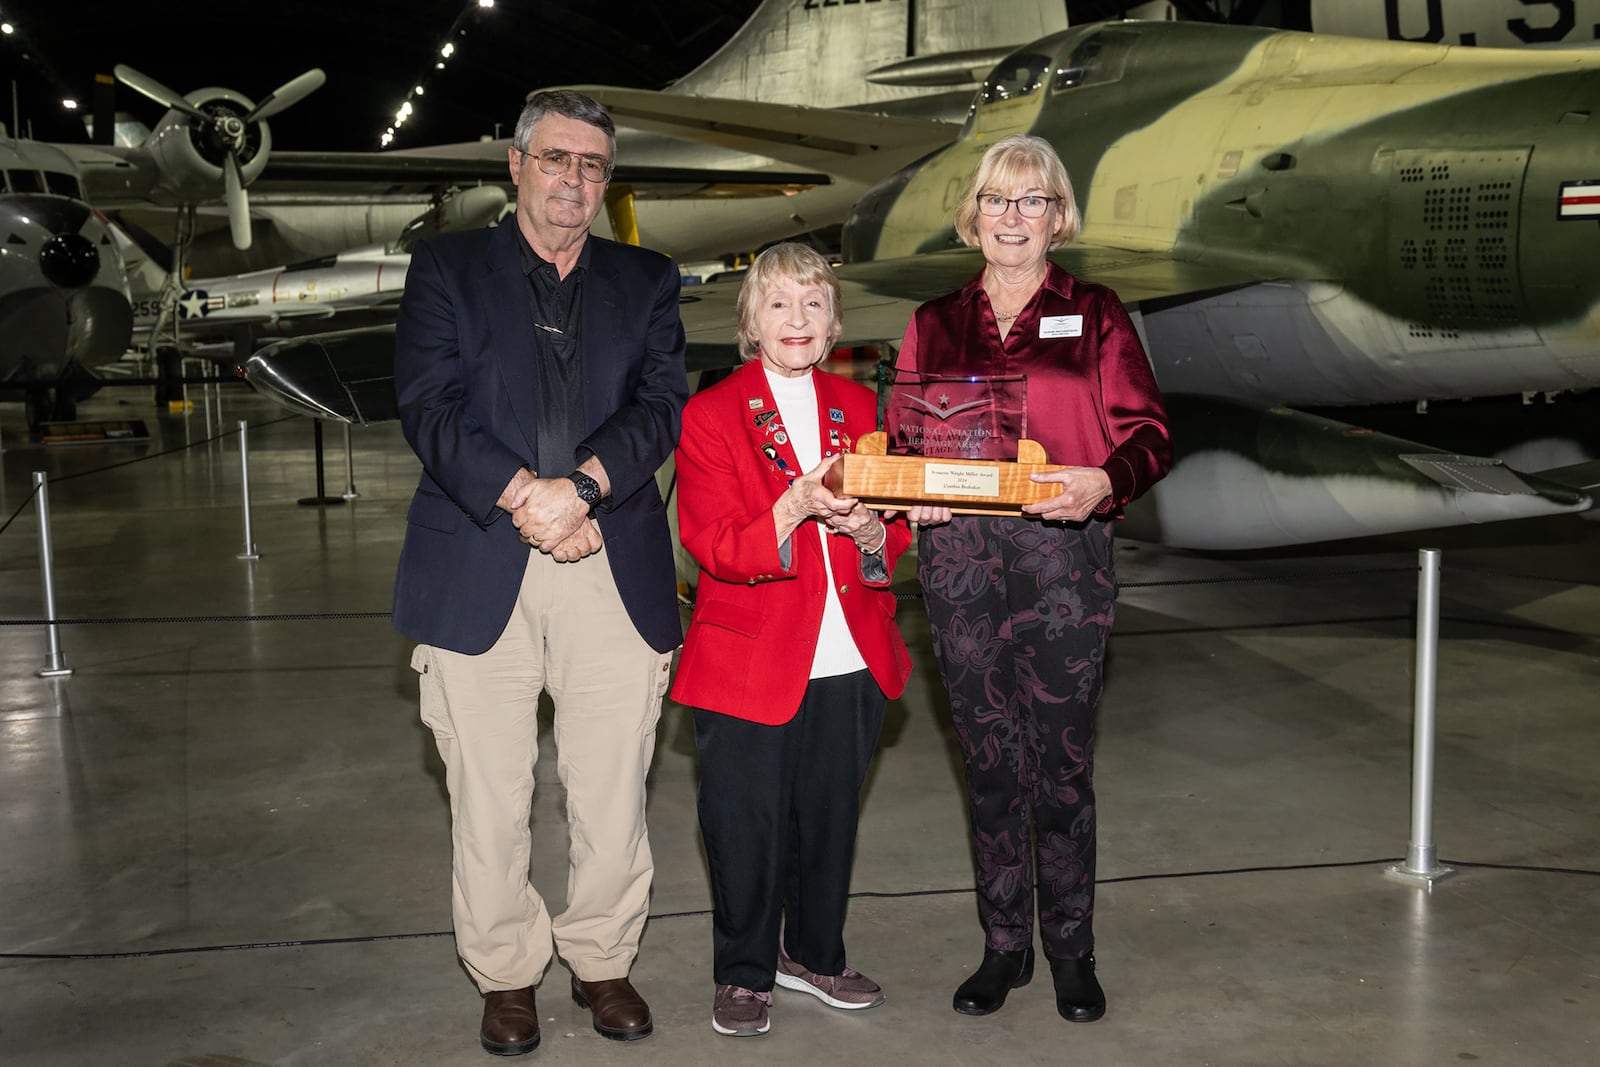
point(620, 1013)
point(510, 1022)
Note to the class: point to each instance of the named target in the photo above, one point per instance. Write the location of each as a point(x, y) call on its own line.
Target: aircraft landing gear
point(36, 406)
point(42, 405)
point(169, 376)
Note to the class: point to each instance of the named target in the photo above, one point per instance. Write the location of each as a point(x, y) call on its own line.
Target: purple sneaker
point(740, 1012)
point(848, 989)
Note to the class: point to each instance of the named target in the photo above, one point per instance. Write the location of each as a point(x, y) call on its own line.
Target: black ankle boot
point(998, 974)
point(1079, 998)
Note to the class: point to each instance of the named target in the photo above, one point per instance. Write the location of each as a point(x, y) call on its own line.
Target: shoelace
point(741, 993)
point(829, 981)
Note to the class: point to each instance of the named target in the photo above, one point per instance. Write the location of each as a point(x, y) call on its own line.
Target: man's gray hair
point(568, 104)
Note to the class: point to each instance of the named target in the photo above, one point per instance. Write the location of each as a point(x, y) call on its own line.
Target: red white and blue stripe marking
point(1580, 200)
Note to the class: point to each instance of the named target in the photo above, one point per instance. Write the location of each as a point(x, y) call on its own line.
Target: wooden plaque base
point(965, 486)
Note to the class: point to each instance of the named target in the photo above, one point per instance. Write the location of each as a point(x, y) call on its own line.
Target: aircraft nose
point(69, 260)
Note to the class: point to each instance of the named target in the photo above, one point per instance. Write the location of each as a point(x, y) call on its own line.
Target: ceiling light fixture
point(446, 52)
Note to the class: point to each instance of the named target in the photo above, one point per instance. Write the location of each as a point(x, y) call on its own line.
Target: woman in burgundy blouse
point(1021, 607)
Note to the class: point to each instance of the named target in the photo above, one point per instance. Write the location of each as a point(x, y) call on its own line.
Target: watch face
point(588, 488)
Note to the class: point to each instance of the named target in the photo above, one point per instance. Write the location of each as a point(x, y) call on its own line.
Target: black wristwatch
point(588, 488)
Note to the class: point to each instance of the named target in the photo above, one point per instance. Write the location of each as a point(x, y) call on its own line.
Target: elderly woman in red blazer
point(792, 651)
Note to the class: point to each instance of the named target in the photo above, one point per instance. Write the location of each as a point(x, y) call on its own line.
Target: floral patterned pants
point(1021, 611)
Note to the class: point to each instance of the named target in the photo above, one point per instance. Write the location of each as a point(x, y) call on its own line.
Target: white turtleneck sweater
point(796, 399)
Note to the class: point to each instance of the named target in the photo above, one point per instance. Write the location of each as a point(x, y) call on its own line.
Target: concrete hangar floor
point(225, 835)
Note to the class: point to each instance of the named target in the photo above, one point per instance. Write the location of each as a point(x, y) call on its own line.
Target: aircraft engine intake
point(69, 260)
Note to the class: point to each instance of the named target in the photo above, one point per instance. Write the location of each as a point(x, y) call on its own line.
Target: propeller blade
point(288, 94)
point(238, 202)
point(155, 90)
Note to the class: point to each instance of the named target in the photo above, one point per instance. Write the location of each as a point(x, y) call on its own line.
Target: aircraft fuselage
point(1418, 214)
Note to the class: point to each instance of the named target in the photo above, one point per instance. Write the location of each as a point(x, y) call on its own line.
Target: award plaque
point(954, 442)
point(945, 417)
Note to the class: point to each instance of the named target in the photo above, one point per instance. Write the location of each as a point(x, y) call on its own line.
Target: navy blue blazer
point(466, 380)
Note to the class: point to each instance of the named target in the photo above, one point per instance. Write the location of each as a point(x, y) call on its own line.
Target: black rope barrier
point(167, 451)
point(26, 501)
point(698, 913)
point(56, 480)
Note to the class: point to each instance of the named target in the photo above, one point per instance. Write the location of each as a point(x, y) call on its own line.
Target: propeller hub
point(225, 131)
point(230, 128)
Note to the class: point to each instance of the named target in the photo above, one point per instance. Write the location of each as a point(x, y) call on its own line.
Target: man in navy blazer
point(540, 379)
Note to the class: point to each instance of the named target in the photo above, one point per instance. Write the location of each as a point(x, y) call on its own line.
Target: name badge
point(1061, 326)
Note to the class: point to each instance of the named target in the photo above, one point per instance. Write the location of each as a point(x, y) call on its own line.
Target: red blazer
point(755, 623)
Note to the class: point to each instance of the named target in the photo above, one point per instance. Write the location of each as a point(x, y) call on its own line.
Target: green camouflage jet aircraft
point(1298, 220)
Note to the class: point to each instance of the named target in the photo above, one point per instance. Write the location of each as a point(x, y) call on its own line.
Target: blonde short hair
point(1019, 161)
point(789, 261)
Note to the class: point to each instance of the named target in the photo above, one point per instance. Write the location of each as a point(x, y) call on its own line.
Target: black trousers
point(778, 812)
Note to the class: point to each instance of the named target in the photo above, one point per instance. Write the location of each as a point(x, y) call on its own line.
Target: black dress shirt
point(556, 307)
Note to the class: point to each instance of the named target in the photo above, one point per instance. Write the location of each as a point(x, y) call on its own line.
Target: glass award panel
point(949, 417)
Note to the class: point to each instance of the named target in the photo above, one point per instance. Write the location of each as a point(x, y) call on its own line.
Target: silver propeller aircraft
point(211, 134)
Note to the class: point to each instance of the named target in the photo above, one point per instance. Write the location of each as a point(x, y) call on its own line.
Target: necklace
point(1027, 289)
point(1003, 317)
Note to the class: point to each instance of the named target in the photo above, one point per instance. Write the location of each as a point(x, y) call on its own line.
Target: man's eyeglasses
point(558, 160)
point(1029, 207)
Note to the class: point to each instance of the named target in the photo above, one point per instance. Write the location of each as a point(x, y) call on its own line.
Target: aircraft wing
point(788, 133)
point(879, 296)
point(392, 173)
point(115, 177)
point(1258, 478)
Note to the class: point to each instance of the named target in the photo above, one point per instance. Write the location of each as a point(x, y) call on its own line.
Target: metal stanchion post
point(1422, 865)
point(244, 483)
point(322, 498)
point(349, 467)
point(57, 667)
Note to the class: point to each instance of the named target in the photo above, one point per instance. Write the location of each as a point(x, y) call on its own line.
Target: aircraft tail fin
point(819, 52)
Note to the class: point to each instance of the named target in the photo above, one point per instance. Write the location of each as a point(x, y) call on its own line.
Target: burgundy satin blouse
point(1092, 399)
